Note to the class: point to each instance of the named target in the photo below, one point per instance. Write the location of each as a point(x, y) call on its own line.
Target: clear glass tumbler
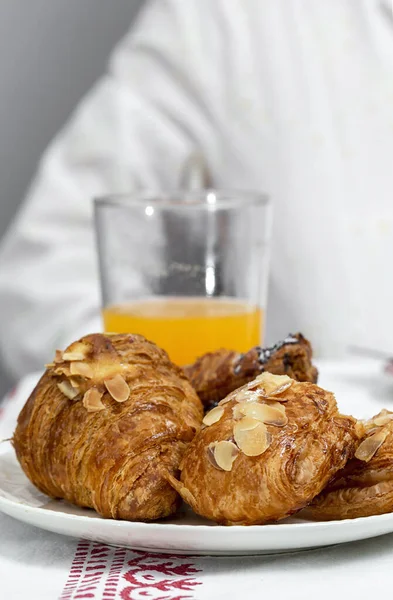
point(188, 270)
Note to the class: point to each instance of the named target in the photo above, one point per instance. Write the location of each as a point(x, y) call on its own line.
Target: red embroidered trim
point(111, 585)
point(100, 572)
point(76, 570)
point(179, 576)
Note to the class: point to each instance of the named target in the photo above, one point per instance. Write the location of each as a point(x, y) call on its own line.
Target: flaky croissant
point(108, 417)
point(215, 374)
point(265, 452)
point(364, 487)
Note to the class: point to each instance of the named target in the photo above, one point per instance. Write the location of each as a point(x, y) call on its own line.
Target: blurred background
point(44, 70)
point(275, 100)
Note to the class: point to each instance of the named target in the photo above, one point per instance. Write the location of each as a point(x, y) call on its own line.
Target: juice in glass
point(187, 327)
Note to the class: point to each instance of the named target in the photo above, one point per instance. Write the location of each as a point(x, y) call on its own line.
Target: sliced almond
point(58, 356)
point(254, 441)
point(183, 491)
point(246, 395)
point(277, 405)
point(77, 351)
point(368, 426)
point(360, 429)
point(74, 383)
point(81, 368)
point(369, 431)
point(70, 356)
point(238, 410)
point(92, 400)
point(210, 456)
point(242, 394)
point(49, 365)
point(67, 389)
point(213, 416)
point(118, 388)
point(246, 424)
point(383, 418)
point(261, 387)
point(62, 370)
point(270, 415)
point(226, 400)
point(222, 455)
point(370, 445)
point(268, 384)
point(187, 496)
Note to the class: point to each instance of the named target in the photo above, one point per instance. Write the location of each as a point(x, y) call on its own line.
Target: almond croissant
point(267, 450)
point(364, 487)
point(215, 374)
point(108, 417)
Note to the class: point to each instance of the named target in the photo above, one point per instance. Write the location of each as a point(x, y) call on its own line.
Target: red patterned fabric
point(105, 573)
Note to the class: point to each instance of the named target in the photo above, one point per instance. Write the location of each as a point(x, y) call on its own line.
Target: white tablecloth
point(35, 564)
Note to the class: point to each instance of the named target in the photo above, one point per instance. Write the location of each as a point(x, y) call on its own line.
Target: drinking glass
point(188, 270)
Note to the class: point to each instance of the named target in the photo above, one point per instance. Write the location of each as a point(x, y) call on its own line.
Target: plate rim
point(65, 516)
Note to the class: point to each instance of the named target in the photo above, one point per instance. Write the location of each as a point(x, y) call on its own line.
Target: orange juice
point(188, 327)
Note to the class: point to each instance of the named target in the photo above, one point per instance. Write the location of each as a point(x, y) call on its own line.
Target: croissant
point(265, 452)
point(364, 487)
point(108, 417)
point(215, 374)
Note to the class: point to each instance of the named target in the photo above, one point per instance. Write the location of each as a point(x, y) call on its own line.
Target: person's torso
point(309, 119)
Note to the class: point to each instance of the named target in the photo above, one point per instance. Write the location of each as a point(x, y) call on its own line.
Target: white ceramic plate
point(360, 389)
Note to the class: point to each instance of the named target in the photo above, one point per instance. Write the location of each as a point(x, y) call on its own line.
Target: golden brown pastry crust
point(110, 459)
point(302, 457)
point(361, 489)
point(215, 374)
